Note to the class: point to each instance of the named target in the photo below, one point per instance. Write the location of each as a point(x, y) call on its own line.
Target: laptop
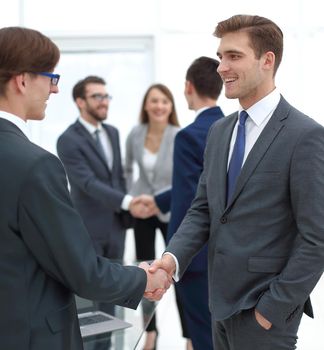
point(98, 322)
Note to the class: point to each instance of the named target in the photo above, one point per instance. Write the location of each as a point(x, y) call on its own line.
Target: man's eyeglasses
point(54, 77)
point(101, 97)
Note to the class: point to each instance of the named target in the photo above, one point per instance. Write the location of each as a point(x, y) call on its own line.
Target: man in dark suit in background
point(46, 255)
point(259, 202)
point(90, 152)
point(202, 88)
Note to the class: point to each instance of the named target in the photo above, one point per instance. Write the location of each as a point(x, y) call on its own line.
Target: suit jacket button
point(223, 220)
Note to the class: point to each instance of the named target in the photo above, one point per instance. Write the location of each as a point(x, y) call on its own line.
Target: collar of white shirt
point(19, 122)
point(90, 127)
point(199, 111)
point(263, 108)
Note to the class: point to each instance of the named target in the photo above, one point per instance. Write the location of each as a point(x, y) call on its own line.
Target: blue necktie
point(237, 156)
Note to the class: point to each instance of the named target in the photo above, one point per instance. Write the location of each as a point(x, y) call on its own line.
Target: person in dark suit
point(46, 255)
point(90, 152)
point(202, 89)
point(259, 202)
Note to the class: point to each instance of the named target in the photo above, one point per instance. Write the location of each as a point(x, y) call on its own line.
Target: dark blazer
point(188, 157)
point(266, 246)
point(97, 192)
point(46, 254)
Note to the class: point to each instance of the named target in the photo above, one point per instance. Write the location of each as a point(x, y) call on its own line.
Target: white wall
point(126, 65)
point(182, 30)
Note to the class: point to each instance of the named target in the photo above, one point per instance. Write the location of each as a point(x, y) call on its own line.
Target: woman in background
point(150, 146)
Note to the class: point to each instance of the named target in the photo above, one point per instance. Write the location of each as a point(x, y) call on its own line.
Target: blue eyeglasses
point(54, 77)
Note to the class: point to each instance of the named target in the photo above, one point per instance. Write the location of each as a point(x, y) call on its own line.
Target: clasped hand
point(159, 277)
point(158, 282)
point(143, 206)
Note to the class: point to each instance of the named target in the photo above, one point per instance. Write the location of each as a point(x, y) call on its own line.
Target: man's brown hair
point(264, 34)
point(79, 89)
point(173, 118)
point(24, 50)
point(202, 73)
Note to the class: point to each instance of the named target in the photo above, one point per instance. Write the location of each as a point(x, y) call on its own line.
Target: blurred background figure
point(90, 152)
point(150, 146)
point(202, 89)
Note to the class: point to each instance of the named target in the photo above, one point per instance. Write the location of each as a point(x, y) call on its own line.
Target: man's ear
point(20, 82)
point(269, 60)
point(79, 102)
point(189, 87)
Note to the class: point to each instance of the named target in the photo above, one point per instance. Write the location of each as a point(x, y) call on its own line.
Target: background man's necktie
point(237, 156)
point(99, 144)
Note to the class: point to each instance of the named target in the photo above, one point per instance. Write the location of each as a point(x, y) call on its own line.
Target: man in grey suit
point(46, 255)
point(259, 202)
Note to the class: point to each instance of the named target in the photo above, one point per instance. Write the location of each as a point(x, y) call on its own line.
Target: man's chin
point(35, 117)
point(101, 118)
point(230, 95)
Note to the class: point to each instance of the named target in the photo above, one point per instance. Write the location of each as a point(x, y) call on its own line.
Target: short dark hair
point(264, 34)
point(79, 88)
point(173, 118)
point(202, 73)
point(25, 50)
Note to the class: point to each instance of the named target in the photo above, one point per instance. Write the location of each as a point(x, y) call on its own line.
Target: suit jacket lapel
point(262, 145)
point(141, 144)
point(140, 149)
point(90, 141)
point(224, 145)
point(162, 152)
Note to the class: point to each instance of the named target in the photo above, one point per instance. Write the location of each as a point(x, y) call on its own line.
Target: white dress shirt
point(19, 122)
point(259, 115)
point(149, 160)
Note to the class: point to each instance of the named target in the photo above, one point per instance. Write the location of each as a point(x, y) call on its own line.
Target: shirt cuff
point(176, 273)
point(126, 202)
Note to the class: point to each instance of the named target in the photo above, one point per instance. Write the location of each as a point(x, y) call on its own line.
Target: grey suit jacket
point(266, 247)
point(46, 254)
point(96, 190)
point(162, 177)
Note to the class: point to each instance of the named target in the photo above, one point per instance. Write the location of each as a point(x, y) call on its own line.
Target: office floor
point(311, 331)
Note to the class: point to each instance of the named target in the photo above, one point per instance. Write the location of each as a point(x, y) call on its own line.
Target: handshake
point(143, 207)
point(159, 276)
